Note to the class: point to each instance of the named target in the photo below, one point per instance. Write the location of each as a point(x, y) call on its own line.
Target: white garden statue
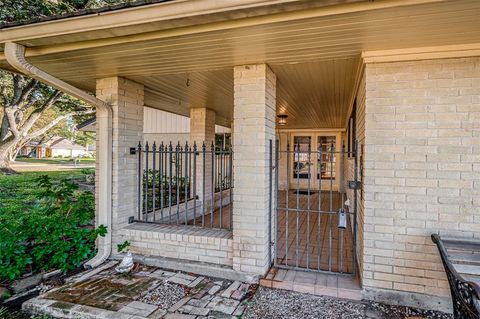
point(126, 265)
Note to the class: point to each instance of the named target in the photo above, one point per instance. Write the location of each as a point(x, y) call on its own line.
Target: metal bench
point(461, 260)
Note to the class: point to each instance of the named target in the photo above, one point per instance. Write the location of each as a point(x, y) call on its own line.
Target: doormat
point(305, 192)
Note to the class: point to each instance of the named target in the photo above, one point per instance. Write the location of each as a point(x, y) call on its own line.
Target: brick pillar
point(126, 99)
point(254, 122)
point(202, 130)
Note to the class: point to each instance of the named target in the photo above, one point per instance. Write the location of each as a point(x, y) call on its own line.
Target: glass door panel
point(326, 164)
point(301, 163)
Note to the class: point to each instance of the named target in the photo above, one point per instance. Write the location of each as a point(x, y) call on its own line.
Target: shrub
point(54, 232)
point(123, 246)
point(89, 175)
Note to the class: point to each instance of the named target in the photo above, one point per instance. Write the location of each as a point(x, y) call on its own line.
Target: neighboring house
point(382, 100)
point(62, 147)
point(55, 147)
point(33, 149)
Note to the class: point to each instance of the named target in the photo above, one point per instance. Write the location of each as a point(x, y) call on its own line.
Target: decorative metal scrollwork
point(465, 294)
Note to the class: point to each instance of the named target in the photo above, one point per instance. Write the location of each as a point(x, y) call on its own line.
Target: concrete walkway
point(45, 167)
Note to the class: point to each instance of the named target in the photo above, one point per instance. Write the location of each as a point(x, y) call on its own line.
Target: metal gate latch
point(342, 219)
point(354, 185)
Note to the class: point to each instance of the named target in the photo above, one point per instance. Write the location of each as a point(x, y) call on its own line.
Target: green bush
point(53, 232)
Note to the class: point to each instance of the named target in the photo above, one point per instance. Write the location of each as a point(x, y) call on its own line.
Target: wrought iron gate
point(313, 208)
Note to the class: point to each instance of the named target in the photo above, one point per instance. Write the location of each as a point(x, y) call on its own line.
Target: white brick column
point(254, 122)
point(202, 130)
point(126, 99)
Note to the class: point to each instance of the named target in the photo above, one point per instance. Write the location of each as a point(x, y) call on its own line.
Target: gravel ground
point(378, 310)
point(165, 295)
point(276, 303)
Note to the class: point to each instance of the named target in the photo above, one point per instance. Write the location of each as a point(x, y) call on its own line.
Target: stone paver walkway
point(148, 292)
point(153, 293)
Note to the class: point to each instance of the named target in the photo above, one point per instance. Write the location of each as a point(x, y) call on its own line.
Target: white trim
point(422, 53)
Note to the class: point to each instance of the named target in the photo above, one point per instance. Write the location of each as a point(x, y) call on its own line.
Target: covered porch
point(239, 65)
point(201, 184)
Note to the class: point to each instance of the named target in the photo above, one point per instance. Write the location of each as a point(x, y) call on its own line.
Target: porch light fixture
point(282, 119)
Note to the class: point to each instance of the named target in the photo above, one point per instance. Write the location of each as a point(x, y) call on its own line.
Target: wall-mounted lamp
point(282, 119)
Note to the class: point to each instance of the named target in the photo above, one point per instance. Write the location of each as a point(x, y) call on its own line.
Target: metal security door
point(314, 220)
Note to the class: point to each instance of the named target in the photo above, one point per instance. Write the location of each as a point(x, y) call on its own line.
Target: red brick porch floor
point(316, 283)
point(312, 240)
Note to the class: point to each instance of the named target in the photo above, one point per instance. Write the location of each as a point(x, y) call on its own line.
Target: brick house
point(361, 110)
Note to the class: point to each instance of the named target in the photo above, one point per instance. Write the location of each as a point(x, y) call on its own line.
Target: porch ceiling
point(313, 52)
point(312, 94)
point(316, 94)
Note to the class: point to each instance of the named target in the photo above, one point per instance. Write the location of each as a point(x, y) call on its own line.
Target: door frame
point(314, 134)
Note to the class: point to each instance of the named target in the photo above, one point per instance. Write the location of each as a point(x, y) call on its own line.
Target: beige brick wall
point(254, 122)
point(192, 243)
point(126, 99)
point(360, 158)
point(422, 169)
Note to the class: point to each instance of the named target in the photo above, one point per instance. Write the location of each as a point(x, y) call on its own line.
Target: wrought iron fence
point(185, 184)
point(223, 169)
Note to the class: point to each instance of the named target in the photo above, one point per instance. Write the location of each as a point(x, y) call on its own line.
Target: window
point(326, 163)
point(223, 141)
point(301, 162)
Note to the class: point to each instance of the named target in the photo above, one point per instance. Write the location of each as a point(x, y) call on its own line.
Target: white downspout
point(15, 55)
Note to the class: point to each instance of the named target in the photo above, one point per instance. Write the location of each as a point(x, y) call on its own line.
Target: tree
point(15, 10)
point(25, 104)
point(29, 109)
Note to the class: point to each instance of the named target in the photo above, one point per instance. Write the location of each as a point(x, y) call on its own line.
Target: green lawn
point(55, 160)
point(20, 191)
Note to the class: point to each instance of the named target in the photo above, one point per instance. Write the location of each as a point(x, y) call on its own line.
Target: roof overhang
point(163, 15)
point(162, 45)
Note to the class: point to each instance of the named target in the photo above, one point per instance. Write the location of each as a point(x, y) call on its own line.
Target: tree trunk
point(12, 155)
point(16, 149)
point(5, 160)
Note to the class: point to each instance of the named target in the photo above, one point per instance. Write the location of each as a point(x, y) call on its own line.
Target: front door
point(308, 167)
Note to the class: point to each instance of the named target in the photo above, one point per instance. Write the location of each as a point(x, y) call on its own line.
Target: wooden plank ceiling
point(312, 94)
